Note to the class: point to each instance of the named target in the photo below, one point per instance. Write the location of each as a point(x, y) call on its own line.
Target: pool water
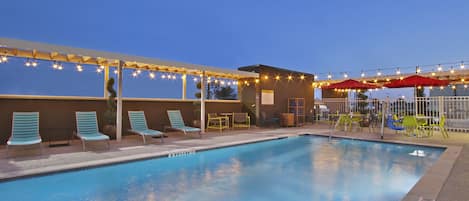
point(299, 168)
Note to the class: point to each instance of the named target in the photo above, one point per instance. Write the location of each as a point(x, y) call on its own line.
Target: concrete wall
point(57, 114)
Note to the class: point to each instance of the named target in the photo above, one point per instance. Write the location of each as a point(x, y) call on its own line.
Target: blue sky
point(304, 35)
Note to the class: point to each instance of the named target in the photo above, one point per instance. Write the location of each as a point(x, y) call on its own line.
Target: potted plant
point(196, 121)
point(110, 113)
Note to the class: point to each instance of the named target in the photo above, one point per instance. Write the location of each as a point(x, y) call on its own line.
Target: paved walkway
point(29, 162)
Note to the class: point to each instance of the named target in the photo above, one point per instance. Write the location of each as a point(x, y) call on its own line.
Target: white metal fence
point(454, 108)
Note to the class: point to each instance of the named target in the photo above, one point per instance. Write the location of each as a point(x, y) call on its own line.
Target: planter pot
point(110, 130)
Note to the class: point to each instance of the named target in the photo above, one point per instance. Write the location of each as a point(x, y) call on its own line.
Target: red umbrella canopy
point(350, 84)
point(416, 80)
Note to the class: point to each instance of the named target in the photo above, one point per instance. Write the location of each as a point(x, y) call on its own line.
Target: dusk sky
point(303, 35)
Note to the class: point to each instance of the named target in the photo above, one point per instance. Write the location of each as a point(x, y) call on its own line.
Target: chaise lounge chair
point(138, 124)
point(25, 130)
point(177, 123)
point(87, 128)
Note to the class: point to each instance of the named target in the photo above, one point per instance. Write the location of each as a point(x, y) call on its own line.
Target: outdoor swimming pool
point(299, 168)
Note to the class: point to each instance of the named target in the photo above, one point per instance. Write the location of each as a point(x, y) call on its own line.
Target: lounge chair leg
point(144, 141)
point(83, 144)
point(8, 151)
point(162, 138)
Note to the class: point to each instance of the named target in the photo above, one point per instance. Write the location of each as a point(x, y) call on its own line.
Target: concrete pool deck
point(445, 180)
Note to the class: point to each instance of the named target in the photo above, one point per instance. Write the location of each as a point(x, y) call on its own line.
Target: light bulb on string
point(60, 67)
point(362, 74)
point(329, 76)
point(79, 68)
point(27, 63)
point(398, 71)
point(315, 77)
point(152, 75)
point(54, 65)
point(134, 74)
point(163, 76)
point(442, 87)
point(452, 70)
point(116, 72)
point(345, 75)
point(34, 63)
point(302, 77)
point(418, 70)
point(277, 77)
point(195, 79)
point(4, 59)
point(379, 73)
point(462, 65)
point(290, 77)
point(440, 68)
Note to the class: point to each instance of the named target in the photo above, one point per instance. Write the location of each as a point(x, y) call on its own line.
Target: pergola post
point(202, 102)
point(119, 102)
point(106, 78)
point(184, 86)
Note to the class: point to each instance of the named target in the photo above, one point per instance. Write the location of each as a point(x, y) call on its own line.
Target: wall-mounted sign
point(267, 97)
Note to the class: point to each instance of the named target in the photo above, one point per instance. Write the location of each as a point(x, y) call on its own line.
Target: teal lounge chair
point(177, 123)
point(87, 128)
point(138, 125)
point(24, 130)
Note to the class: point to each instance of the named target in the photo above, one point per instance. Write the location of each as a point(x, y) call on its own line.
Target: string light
point(379, 72)
point(257, 81)
point(345, 75)
point(441, 88)
point(462, 65)
point(173, 77)
point(102, 67)
point(431, 87)
point(266, 77)
point(57, 66)
point(3, 59)
point(465, 86)
point(223, 82)
point(34, 63)
point(418, 70)
point(277, 77)
point(398, 71)
point(99, 70)
point(452, 70)
point(27, 63)
point(433, 73)
point(439, 67)
point(362, 74)
point(135, 74)
point(195, 79)
point(453, 87)
point(302, 77)
point(151, 74)
point(290, 77)
point(79, 68)
point(462, 80)
point(315, 77)
point(116, 72)
point(329, 76)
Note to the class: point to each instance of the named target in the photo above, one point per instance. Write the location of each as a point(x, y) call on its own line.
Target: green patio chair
point(87, 128)
point(177, 123)
point(138, 124)
point(343, 121)
point(24, 130)
point(410, 125)
point(441, 127)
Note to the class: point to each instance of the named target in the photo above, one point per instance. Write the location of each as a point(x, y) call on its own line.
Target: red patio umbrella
point(350, 84)
point(415, 81)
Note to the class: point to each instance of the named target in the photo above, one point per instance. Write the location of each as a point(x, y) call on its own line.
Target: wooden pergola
point(56, 53)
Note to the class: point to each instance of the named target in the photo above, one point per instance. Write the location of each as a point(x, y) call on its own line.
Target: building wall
point(57, 115)
point(283, 89)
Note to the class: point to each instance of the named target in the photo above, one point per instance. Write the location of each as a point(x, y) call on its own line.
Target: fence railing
point(454, 108)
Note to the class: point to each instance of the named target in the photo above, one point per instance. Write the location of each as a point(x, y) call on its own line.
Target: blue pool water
point(300, 168)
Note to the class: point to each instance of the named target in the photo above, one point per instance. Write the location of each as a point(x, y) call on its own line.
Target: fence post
point(441, 106)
